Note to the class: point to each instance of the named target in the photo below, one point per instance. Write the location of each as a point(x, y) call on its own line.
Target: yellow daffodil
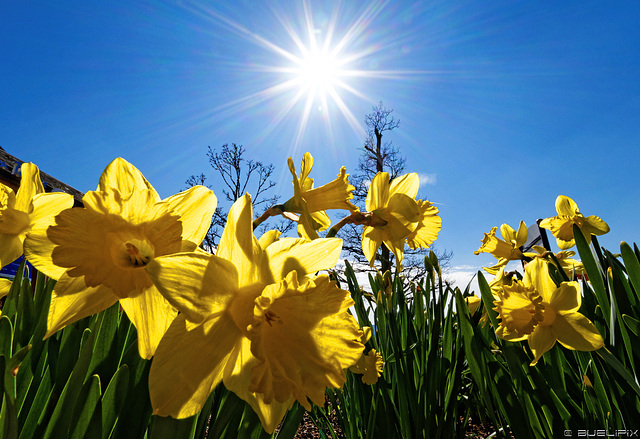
point(369, 366)
point(395, 215)
point(506, 249)
point(98, 253)
point(473, 302)
point(5, 286)
point(568, 214)
point(542, 313)
point(570, 266)
point(311, 203)
point(254, 318)
point(25, 210)
point(429, 225)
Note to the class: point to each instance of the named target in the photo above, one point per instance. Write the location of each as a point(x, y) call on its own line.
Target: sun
point(318, 71)
point(315, 68)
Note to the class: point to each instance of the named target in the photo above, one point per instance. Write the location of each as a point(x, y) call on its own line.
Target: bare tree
point(378, 156)
point(239, 175)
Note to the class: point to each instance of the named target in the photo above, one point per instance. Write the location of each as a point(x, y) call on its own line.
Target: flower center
point(133, 253)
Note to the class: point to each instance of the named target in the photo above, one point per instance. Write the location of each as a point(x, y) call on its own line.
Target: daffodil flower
point(396, 214)
point(429, 225)
point(5, 286)
point(369, 366)
point(564, 258)
point(311, 202)
point(542, 313)
point(28, 209)
point(568, 214)
point(254, 318)
point(506, 249)
point(98, 253)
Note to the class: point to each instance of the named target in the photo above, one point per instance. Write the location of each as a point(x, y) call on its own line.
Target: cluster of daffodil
point(535, 308)
point(255, 316)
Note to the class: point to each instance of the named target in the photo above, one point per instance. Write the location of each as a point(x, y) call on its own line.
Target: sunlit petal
point(541, 340)
point(575, 331)
point(198, 285)
point(407, 184)
point(238, 243)
point(378, 195)
point(305, 257)
point(371, 242)
point(189, 363)
point(73, 300)
point(125, 178)
point(30, 186)
point(195, 207)
point(151, 314)
point(567, 297)
point(566, 206)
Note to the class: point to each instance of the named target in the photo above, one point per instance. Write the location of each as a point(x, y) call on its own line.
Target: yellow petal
point(269, 238)
point(14, 222)
point(567, 297)
point(371, 242)
point(197, 285)
point(239, 245)
point(566, 206)
point(151, 314)
point(189, 363)
point(10, 248)
point(508, 234)
point(521, 236)
point(378, 195)
point(195, 207)
point(520, 309)
point(305, 338)
point(47, 206)
point(237, 378)
point(402, 214)
point(369, 366)
point(306, 257)
point(5, 286)
point(397, 247)
point(575, 331)
point(125, 178)
point(30, 186)
point(595, 225)
point(537, 276)
point(37, 246)
point(407, 184)
point(540, 341)
point(333, 195)
point(73, 300)
point(428, 228)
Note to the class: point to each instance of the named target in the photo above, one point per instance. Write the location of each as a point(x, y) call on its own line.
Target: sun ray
point(316, 68)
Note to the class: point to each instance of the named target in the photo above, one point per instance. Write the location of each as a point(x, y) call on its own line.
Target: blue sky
point(503, 105)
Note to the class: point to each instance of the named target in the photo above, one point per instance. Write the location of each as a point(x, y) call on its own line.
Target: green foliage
point(442, 365)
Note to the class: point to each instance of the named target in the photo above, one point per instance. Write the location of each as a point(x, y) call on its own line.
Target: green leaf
point(38, 409)
point(632, 324)
point(170, 428)
point(60, 421)
point(6, 336)
point(594, 272)
point(86, 407)
point(633, 270)
point(615, 364)
point(113, 400)
point(291, 422)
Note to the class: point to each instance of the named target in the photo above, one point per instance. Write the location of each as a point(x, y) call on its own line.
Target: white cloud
point(427, 179)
